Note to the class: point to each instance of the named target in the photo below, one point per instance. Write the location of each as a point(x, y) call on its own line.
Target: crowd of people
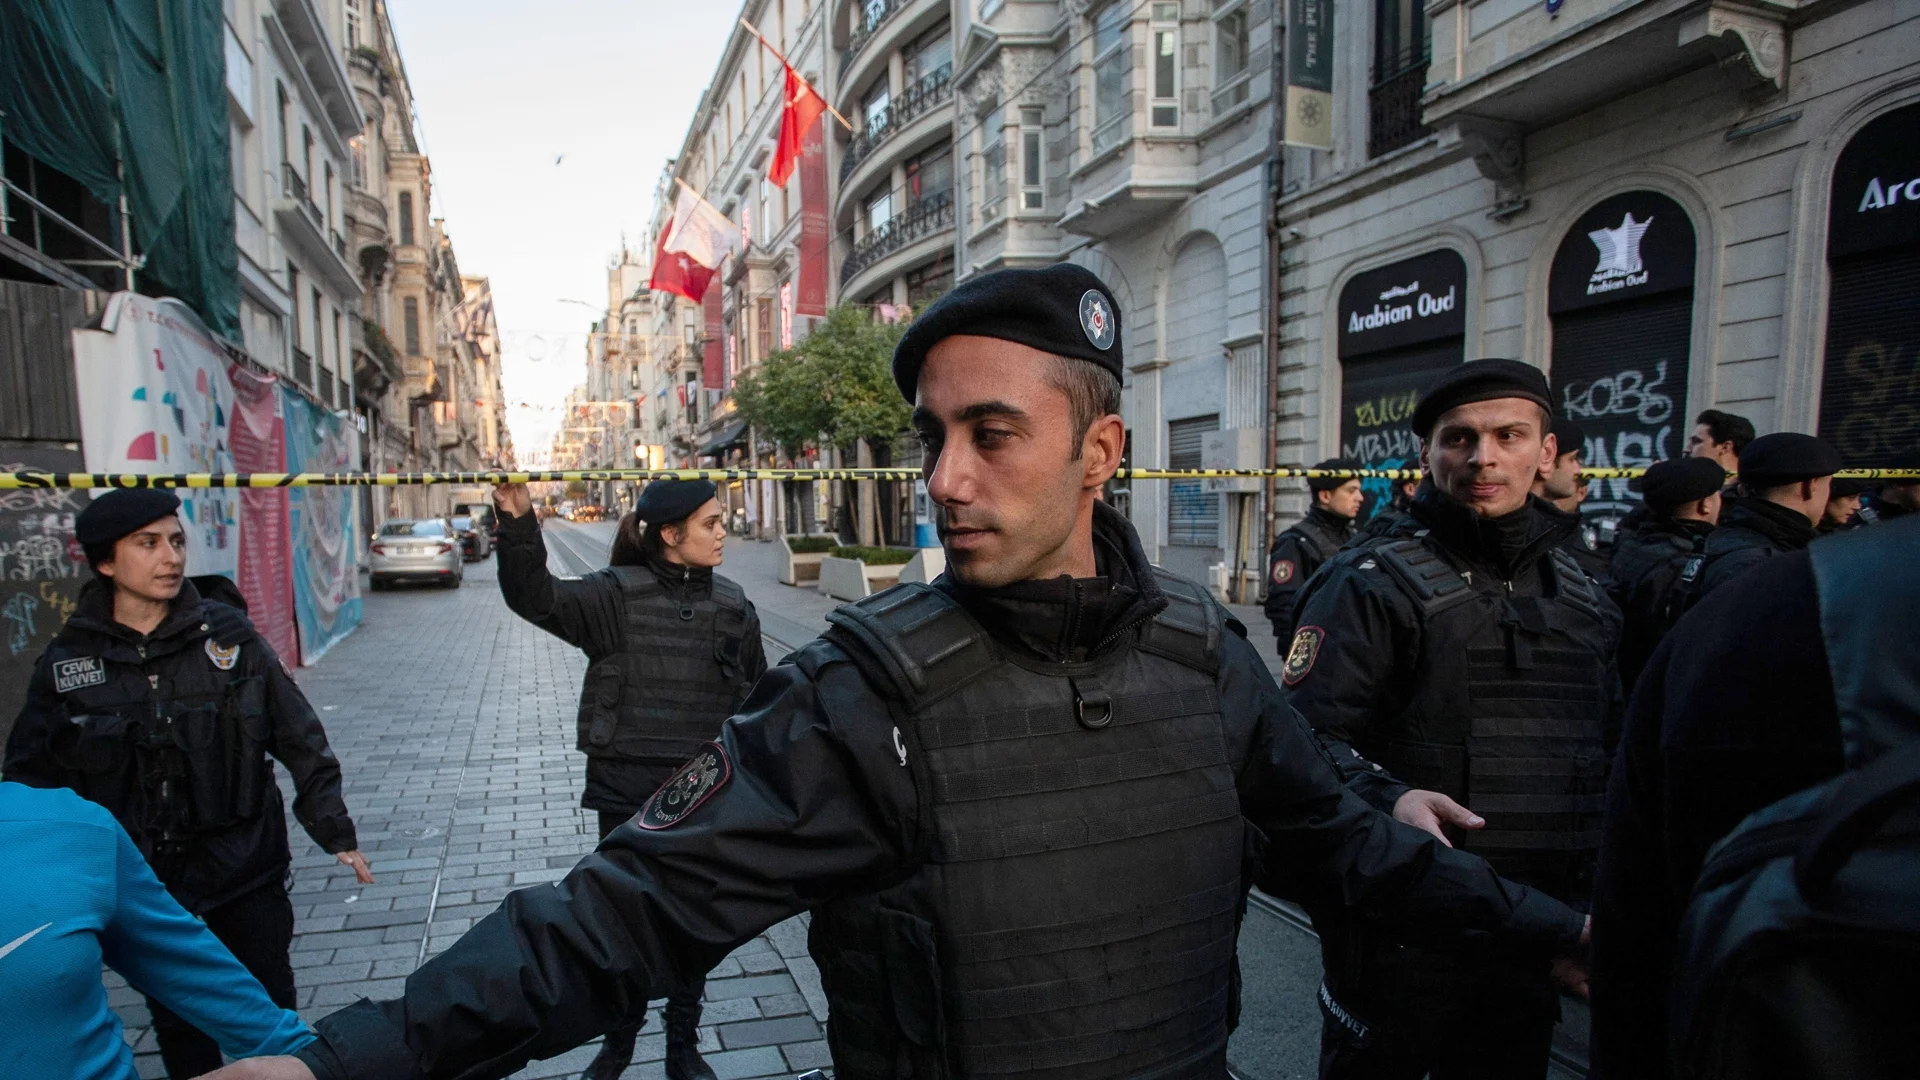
point(1025, 803)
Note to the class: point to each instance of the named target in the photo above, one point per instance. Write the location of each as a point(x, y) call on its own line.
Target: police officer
point(1563, 485)
point(672, 649)
point(1462, 658)
point(1018, 801)
point(1312, 540)
point(1784, 477)
point(1656, 563)
point(1843, 506)
point(1893, 499)
point(163, 708)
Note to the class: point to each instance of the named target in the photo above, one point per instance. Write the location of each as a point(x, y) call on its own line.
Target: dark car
point(476, 538)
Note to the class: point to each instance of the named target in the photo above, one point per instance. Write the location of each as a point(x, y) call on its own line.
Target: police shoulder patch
point(79, 672)
point(703, 774)
point(1283, 571)
point(1301, 654)
point(223, 656)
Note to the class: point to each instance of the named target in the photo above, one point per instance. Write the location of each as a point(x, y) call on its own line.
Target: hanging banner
point(1309, 98)
point(813, 222)
point(320, 521)
point(712, 357)
point(155, 397)
point(259, 430)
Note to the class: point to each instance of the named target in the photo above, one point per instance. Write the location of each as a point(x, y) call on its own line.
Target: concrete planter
point(927, 564)
point(853, 579)
point(800, 568)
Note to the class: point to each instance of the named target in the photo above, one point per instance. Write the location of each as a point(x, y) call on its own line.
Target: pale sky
point(502, 90)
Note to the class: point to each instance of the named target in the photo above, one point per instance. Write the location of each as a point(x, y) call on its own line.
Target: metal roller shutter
point(1870, 391)
point(1193, 513)
point(1621, 371)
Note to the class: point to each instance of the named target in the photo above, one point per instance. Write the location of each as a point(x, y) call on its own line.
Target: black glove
point(229, 625)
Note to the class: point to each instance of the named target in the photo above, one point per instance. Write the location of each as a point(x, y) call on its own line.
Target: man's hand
point(263, 1068)
point(1430, 810)
point(359, 863)
point(514, 500)
point(1571, 974)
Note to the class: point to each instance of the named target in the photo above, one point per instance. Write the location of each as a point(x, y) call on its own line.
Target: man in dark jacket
point(1017, 802)
point(1893, 499)
point(1657, 562)
point(1312, 540)
point(1735, 711)
point(163, 707)
point(1785, 477)
point(1461, 657)
point(672, 649)
point(1565, 486)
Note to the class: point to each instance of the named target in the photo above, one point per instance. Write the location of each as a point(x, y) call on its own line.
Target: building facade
point(1666, 206)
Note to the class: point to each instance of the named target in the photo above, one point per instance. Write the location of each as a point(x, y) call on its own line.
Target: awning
point(730, 435)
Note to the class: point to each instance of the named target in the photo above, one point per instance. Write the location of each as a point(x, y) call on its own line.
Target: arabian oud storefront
point(1399, 325)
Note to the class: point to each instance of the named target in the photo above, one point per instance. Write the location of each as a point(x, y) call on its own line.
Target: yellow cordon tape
point(35, 479)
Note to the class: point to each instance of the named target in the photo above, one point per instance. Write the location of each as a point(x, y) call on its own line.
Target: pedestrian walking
point(1784, 478)
point(164, 708)
point(672, 649)
point(1312, 540)
point(1017, 800)
point(1461, 662)
point(1563, 485)
point(1657, 562)
point(91, 899)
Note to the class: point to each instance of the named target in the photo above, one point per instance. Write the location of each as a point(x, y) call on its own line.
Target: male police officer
point(1785, 477)
point(1312, 540)
point(1656, 563)
point(1017, 801)
point(1563, 485)
point(163, 708)
point(1463, 652)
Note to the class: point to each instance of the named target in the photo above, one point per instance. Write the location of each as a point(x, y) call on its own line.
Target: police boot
point(683, 1042)
point(616, 1053)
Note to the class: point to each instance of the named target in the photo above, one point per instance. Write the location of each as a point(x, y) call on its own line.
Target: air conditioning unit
point(1233, 448)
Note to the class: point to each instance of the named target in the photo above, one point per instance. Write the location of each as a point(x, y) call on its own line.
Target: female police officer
point(162, 707)
point(672, 649)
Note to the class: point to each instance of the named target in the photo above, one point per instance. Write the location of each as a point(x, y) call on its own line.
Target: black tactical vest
point(1075, 904)
point(677, 679)
point(1509, 717)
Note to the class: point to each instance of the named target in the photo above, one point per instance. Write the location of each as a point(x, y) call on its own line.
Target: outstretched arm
point(584, 613)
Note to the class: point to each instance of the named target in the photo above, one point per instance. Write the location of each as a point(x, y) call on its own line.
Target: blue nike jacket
point(75, 893)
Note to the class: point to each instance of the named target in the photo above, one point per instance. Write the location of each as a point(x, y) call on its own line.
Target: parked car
point(476, 538)
point(424, 550)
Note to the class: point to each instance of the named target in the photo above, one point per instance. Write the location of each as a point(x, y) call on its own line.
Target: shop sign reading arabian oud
point(1385, 312)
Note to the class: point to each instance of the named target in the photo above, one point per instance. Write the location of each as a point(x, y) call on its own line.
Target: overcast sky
point(548, 125)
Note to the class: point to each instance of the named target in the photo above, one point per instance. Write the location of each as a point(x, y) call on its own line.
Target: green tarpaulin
point(86, 83)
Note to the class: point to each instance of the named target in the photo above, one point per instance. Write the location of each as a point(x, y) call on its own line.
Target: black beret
point(1064, 310)
point(1479, 380)
point(1679, 481)
point(1568, 433)
point(1844, 488)
point(120, 513)
point(1786, 457)
point(1333, 483)
point(664, 502)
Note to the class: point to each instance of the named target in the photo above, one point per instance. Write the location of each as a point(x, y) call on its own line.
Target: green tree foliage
point(835, 386)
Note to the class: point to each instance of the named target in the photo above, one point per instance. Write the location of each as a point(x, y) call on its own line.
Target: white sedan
point(424, 550)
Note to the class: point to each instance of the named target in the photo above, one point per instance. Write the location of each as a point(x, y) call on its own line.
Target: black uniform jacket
point(1647, 564)
point(818, 799)
point(1751, 530)
point(1364, 665)
point(1297, 553)
point(1734, 711)
point(586, 613)
point(137, 675)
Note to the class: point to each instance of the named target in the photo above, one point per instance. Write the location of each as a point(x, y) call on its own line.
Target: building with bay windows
point(1667, 206)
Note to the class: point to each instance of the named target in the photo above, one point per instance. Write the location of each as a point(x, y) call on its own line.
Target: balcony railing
point(295, 189)
point(1393, 105)
point(930, 90)
point(302, 367)
point(927, 217)
point(869, 17)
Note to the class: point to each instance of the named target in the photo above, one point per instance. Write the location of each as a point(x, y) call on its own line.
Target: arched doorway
point(1621, 299)
point(1870, 389)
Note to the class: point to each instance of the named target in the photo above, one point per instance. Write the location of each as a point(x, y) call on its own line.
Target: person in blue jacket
point(80, 895)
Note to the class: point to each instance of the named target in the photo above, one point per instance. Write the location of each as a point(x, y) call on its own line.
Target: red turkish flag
point(677, 273)
point(801, 111)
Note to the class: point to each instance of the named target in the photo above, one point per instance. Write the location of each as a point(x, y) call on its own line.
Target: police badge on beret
point(1096, 318)
point(703, 774)
point(1301, 654)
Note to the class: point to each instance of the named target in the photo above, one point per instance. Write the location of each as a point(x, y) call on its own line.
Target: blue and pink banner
point(321, 527)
